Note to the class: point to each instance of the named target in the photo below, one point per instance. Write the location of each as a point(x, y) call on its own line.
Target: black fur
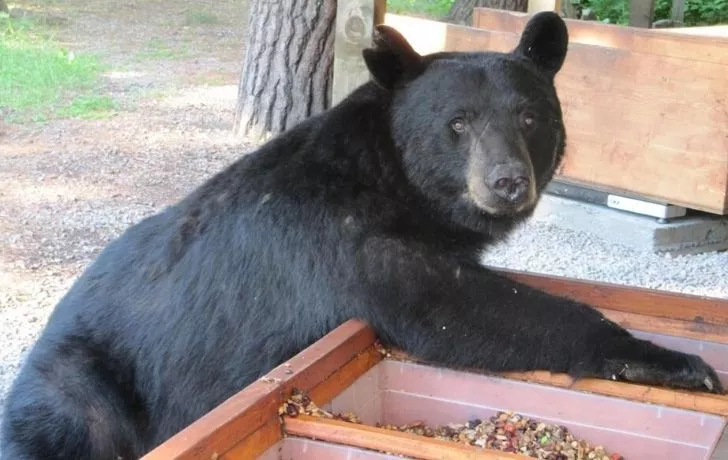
point(376, 210)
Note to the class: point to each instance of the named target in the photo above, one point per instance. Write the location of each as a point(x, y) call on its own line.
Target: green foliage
point(663, 9)
point(429, 8)
point(706, 12)
point(38, 78)
point(697, 12)
point(609, 11)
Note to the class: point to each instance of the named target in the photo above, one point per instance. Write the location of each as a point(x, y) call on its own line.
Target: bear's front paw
point(666, 368)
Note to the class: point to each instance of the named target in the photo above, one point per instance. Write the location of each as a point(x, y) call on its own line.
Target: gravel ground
point(71, 186)
point(541, 247)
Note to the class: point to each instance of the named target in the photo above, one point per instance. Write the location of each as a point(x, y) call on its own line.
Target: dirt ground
point(68, 187)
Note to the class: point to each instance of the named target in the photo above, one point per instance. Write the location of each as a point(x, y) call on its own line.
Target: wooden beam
point(662, 42)
point(355, 21)
point(256, 444)
point(666, 326)
point(677, 12)
point(324, 369)
point(630, 299)
point(680, 399)
point(270, 433)
point(648, 310)
point(383, 440)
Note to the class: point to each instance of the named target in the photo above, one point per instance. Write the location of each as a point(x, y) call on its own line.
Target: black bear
point(376, 209)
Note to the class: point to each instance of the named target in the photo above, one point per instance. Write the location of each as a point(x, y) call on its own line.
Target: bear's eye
point(457, 125)
point(528, 119)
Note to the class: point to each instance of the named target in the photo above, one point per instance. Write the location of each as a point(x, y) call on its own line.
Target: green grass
point(88, 107)
point(156, 49)
point(429, 8)
point(39, 79)
point(200, 18)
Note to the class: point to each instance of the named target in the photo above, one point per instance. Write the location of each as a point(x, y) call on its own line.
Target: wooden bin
point(646, 111)
point(346, 371)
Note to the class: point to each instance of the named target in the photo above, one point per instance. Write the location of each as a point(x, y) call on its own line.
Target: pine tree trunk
point(461, 12)
point(287, 66)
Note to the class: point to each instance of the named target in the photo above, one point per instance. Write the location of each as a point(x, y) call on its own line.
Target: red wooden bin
point(346, 371)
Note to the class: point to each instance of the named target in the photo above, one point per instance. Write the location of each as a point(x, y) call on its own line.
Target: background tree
point(461, 11)
point(3, 7)
point(287, 64)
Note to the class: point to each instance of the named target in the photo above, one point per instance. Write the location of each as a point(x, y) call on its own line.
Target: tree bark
point(461, 12)
point(287, 65)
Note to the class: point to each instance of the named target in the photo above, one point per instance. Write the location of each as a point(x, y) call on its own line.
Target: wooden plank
point(679, 399)
point(663, 42)
point(355, 21)
point(625, 115)
point(666, 326)
point(345, 376)
point(257, 443)
point(383, 440)
point(640, 13)
point(250, 409)
point(701, 402)
point(648, 310)
point(720, 31)
point(649, 302)
point(322, 393)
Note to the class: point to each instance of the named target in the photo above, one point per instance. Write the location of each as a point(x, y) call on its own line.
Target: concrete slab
point(721, 450)
point(684, 235)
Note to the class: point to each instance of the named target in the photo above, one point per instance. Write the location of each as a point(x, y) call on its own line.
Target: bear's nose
point(511, 184)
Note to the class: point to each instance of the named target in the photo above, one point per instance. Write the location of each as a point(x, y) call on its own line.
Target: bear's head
point(480, 133)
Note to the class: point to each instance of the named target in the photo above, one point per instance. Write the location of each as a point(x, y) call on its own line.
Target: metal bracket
point(661, 211)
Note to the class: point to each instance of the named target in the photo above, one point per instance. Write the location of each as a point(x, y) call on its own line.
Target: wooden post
point(535, 6)
point(678, 11)
point(640, 13)
point(355, 21)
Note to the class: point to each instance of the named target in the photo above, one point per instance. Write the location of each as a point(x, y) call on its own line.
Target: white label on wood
point(661, 211)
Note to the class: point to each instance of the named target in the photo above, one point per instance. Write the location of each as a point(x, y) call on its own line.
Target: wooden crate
point(346, 370)
point(646, 111)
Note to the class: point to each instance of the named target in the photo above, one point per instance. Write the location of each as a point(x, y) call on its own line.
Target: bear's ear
point(392, 59)
point(544, 41)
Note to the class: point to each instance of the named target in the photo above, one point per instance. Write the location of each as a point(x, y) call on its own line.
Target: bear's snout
point(502, 189)
point(510, 182)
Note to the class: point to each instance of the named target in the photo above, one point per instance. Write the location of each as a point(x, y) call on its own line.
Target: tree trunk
point(4, 7)
point(287, 65)
point(461, 12)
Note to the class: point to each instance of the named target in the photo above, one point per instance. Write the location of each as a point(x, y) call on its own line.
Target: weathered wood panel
point(640, 13)
point(355, 21)
point(651, 122)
